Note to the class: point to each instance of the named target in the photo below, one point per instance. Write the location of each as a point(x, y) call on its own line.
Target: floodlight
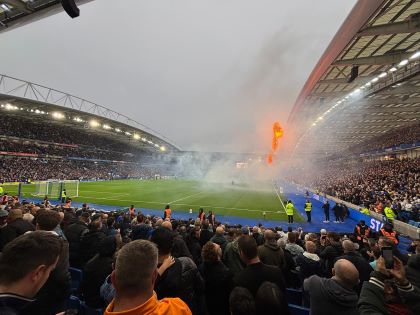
point(94, 123)
point(403, 63)
point(415, 55)
point(374, 80)
point(136, 136)
point(383, 74)
point(127, 133)
point(4, 7)
point(117, 130)
point(107, 127)
point(78, 119)
point(393, 69)
point(162, 148)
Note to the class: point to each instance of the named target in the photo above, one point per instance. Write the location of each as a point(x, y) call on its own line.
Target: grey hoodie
point(328, 297)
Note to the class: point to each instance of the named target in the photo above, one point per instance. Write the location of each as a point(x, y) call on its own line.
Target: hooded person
point(89, 245)
point(231, 257)
point(96, 270)
point(270, 253)
point(335, 295)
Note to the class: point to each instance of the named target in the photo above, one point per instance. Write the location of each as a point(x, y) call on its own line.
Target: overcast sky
point(210, 75)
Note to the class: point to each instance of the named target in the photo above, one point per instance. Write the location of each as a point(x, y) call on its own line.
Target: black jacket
point(254, 275)
point(218, 280)
point(12, 304)
point(7, 234)
point(95, 272)
point(74, 233)
point(194, 247)
point(328, 297)
point(21, 226)
point(308, 267)
point(182, 280)
point(90, 244)
point(329, 255)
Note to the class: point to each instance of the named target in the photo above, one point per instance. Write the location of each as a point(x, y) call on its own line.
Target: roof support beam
point(360, 80)
point(374, 60)
point(20, 5)
point(411, 25)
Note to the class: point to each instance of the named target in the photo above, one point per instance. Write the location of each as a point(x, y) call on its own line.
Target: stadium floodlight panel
point(127, 133)
point(117, 129)
point(393, 69)
point(374, 80)
point(57, 115)
point(415, 55)
point(107, 127)
point(162, 148)
point(383, 74)
point(78, 119)
point(136, 136)
point(5, 7)
point(403, 62)
point(94, 123)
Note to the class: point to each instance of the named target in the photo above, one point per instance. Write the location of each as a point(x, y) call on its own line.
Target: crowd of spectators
point(140, 264)
point(24, 169)
point(404, 135)
point(372, 184)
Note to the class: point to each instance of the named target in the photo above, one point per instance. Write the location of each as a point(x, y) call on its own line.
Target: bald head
point(310, 247)
point(269, 236)
point(348, 246)
point(345, 273)
point(167, 225)
point(219, 230)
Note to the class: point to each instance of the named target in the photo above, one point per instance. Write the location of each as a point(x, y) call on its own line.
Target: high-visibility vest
point(63, 194)
point(1, 190)
point(365, 211)
point(289, 208)
point(391, 236)
point(359, 234)
point(389, 213)
point(308, 206)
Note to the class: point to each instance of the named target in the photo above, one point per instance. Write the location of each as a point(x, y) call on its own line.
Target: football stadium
point(105, 209)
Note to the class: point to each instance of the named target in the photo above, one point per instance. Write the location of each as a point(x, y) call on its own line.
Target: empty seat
point(76, 278)
point(298, 310)
point(294, 296)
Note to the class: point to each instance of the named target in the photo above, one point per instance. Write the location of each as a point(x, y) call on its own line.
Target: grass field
point(225, 199)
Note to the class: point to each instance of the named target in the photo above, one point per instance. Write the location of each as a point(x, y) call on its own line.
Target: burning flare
point(277, 134)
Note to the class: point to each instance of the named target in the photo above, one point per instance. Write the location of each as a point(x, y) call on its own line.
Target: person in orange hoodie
point(134, 278)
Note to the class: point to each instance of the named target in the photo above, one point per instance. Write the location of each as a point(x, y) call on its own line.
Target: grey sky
point(209, 74)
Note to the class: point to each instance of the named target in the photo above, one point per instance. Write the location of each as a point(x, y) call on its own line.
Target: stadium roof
point(18, 97)
point(366, 83)
point(15, 13)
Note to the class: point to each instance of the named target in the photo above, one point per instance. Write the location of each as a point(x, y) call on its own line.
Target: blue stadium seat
point(76, 278)
point(73, 303)
point(294, 296)
point(86, 310)
point(412, 222)
point(298, 310)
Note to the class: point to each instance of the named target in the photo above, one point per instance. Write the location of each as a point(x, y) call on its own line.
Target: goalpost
point(53, 188)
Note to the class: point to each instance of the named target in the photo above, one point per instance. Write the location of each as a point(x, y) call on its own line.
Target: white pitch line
point(186, 197)
point(278, 196)
point(179, 204)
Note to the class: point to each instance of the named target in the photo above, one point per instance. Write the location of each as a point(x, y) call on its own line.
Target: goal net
point(53, 188)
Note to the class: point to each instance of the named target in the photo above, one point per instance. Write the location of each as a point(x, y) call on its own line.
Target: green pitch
point(225, 199)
